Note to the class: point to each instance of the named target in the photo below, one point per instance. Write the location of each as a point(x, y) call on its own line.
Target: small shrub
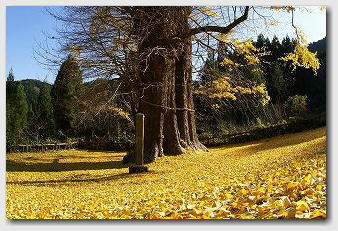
point(297, 105)
point(259, 123)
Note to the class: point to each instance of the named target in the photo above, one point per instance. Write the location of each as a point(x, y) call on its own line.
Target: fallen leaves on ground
point(278, 178)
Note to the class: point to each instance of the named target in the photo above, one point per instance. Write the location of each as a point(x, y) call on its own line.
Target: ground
point(280, 177)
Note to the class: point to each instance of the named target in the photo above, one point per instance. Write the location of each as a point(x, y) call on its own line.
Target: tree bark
point(150, 105)
point(171, 142)
point(181, 76)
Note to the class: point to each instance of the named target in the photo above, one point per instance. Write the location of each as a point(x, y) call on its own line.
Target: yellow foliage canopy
point(221, 88)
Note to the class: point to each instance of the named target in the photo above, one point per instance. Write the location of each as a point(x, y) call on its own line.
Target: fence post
point(139, 146)
point(139, 139)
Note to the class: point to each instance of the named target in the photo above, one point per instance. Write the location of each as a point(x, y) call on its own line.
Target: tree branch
point(223, 30)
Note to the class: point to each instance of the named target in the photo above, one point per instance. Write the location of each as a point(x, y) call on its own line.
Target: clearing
point(280, 177)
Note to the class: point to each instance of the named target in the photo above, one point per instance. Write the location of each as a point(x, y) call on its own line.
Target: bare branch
point(223, 30)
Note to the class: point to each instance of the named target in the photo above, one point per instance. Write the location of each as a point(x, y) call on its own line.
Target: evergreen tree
point(264, 43)
point(10, 93)
point(32, 94)
point(276, 84)
point(22, 106)
point(10, 86)
point(45, 110)
point(65, 94)
point(267, 42)
point(276, 48)
point(287, 45)
point(261, 42)
point(10, 77)
point(16, 119)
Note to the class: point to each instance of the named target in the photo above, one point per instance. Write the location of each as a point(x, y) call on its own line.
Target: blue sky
point(25, 26)
point(312, 21)
point(24, 29)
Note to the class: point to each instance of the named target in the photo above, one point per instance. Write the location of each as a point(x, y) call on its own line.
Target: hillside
point(319, 46)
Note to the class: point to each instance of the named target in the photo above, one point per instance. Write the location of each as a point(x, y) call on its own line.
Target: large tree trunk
point(166, 93)
point(184, 99)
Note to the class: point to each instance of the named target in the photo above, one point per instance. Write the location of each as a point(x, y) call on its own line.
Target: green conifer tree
point(10, 77)
point(45, 111)
point(287, 45)
point(16, 119)
point(65, 93)
point(261, 42)
point(276, 48)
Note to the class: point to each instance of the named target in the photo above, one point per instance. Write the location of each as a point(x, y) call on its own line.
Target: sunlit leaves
point(222, 88)
point(284, 8)
point(302, 57)
point(118, 111)
point(228, 62)
point(262, 91)
point(252, 59)
point(209, 12)
point(244, 48)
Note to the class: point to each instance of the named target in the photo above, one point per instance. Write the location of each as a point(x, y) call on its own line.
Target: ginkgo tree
point(151, 49)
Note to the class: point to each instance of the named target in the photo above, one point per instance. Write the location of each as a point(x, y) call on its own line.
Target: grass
point(280, 177)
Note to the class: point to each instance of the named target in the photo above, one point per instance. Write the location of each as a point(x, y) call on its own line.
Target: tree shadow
point(65, 157)
point(79, 179)
point(13, 166)
point(123, 152)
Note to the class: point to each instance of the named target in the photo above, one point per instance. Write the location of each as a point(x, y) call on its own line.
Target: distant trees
point(29, 114)
point(45, 111)
point(277, 73)
point(65, 94)
point(30, 106)
point(314, 88)
point(277, 84)
point(10, 77)
point(16, 110)
point(32, 94)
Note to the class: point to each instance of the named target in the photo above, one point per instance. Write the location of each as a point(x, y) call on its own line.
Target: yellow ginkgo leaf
point(302, 206)
point(318, 214)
